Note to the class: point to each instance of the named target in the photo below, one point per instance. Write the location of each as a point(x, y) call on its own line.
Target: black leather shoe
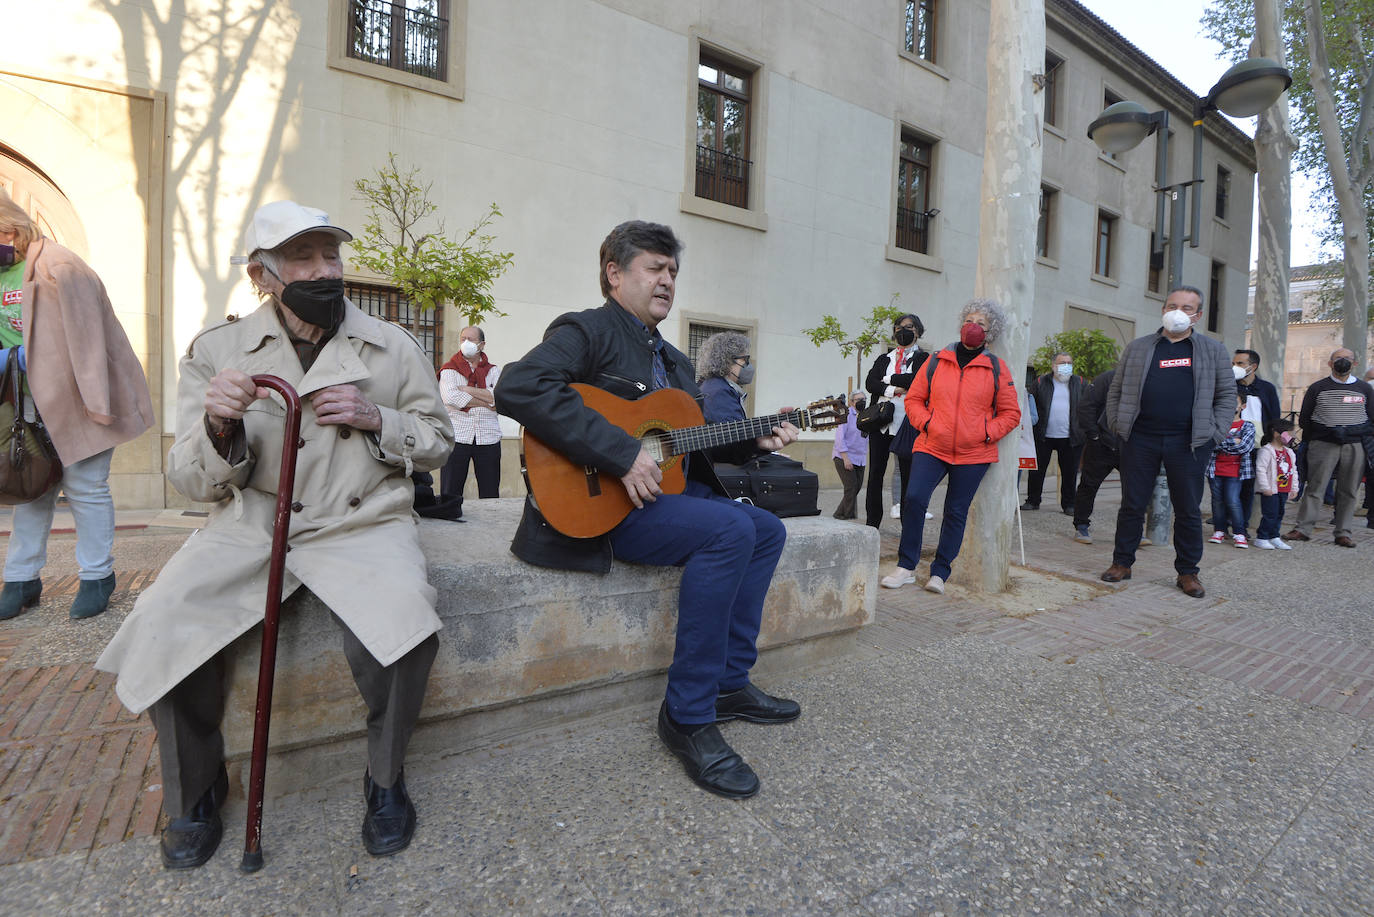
point(1028, 506)
point(19, 595)
point(390, 821)
point(749, 703)
point(709, 760)
point(190, 841)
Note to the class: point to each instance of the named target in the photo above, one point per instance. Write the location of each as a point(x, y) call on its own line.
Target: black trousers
point(1184, 467)
point(1096, 462)
point(878, 455)
point(486, 460)
point(1068, 470)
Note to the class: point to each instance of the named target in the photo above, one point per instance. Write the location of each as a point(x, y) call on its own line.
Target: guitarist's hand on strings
point(781, 436)
point(642, 480)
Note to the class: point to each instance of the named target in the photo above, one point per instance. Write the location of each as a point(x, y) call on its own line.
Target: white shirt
point(478, 424)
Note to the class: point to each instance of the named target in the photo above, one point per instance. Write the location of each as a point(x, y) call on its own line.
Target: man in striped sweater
point(1336, 413)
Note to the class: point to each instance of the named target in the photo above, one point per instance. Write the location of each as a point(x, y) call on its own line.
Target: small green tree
point(429, 267)
point(1093, 352)
point(876, 330)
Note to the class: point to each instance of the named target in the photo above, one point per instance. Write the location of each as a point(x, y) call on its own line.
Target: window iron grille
point(392, 35)
point(389, 304)
point(913, 229)
point(722, 176)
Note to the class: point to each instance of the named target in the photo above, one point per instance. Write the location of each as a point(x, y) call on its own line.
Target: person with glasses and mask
point(370, 416)
point(724, 368)
point(888, 380)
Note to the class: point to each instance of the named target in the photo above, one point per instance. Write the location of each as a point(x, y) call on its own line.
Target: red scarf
point(476, 376)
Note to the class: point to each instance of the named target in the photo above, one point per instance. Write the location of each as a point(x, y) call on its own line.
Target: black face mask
point(1341, 366)
point(904, 337)
point(319, 302)
point(8, 256)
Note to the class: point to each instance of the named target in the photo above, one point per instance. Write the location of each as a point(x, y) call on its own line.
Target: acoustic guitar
point(583, 502)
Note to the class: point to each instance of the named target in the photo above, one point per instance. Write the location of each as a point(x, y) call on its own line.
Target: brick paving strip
point(77, 770)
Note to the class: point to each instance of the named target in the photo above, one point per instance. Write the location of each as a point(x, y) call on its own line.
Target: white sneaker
point(896, 511)
point(1263, 543)
point(935, 584)
point(930, 515)
point(1241, 541)
point(899, 578)
point(1280, 544)
point(1217, 537)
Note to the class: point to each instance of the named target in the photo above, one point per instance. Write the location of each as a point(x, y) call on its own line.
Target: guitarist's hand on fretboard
point(781, 436)
point(642, 480)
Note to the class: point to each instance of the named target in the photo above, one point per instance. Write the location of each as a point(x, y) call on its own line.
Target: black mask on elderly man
point(1341, 366)
point(319, 302)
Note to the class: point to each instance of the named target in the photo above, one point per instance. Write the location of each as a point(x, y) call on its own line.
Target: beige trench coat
point(353, 537)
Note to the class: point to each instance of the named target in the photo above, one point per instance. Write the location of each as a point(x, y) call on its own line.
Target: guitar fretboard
point(690, 439)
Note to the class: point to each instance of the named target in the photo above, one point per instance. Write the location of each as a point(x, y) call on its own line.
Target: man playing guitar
point(727, 550)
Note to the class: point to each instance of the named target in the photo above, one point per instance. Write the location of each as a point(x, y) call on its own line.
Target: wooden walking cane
point(286, 482)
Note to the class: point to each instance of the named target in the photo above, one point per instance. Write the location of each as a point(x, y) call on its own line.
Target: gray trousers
point(188, 717)
point(1322, 459)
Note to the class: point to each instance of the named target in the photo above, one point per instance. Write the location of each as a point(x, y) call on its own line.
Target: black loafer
point(190, 841)
point(390, 821)
point(708, 759)
point(749, 703)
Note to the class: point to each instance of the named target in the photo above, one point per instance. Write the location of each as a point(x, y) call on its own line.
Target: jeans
point(87, 486)
point(1068, 470)
point(1271, 515)
point(1184, 469)
point(728, 552)
point(926, 472)
point(486, 460)
point(1096, 463)
point(1226, 509)
point(878, 455)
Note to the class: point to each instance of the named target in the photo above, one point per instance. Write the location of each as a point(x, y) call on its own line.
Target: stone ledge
point(515, 633)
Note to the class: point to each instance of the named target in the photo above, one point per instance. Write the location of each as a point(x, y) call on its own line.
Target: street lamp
point(1245, 90)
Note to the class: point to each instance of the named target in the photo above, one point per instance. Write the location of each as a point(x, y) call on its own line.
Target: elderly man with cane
point(371, 416)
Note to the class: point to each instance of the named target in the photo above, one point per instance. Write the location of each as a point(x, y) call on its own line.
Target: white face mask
point(1064, 370)
point(468, 349)
point(1176, 320)
point(1240, 372)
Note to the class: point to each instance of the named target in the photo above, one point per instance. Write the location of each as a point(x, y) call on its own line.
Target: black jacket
point(1092, 412)
point(1043, 392)
point(608, 348)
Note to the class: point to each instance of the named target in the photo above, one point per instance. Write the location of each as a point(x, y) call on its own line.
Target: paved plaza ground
point(1067, 748)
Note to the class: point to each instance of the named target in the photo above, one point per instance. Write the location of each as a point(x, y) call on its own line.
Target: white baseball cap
point(281, 221)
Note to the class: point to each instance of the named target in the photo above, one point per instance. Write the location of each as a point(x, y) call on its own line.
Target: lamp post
point(1244, 91)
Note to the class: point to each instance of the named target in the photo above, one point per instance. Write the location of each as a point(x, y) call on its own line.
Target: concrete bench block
point(514, 632)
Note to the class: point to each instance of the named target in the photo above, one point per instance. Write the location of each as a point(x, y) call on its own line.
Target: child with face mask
point(1276, 479)
point(1231, 464)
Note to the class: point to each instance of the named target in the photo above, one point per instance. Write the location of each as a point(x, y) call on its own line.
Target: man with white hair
point(371, 415)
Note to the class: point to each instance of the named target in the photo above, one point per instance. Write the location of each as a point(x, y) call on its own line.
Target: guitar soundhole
point(593, 481)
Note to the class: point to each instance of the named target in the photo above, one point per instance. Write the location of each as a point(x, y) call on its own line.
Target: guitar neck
point(691, 439)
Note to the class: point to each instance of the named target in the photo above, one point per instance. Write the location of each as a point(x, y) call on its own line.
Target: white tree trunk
point(1012, 155)
point(1274, 146)
point(1349, 191)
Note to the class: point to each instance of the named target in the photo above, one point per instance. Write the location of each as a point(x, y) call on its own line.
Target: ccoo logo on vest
point(1179, 363)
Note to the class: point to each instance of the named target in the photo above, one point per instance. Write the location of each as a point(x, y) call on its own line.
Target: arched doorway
point(33, 190)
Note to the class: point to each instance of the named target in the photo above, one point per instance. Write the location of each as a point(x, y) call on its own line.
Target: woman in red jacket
point(960, 410)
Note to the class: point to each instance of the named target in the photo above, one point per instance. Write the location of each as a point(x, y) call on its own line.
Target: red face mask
point(972, 336)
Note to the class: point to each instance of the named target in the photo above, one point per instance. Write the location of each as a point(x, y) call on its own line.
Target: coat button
point(297, 506)
point(345, 433)
point(300, 443)
point(354, 501)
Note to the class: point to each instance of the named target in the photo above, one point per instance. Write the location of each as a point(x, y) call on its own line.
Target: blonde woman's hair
point(16, 219)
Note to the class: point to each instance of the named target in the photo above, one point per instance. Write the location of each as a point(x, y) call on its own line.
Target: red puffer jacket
point(953, 412)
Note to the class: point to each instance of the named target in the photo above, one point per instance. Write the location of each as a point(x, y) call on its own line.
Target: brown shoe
point(1188, 582)
point(1295, 535)
point(1116, 573)
point(1344, 541)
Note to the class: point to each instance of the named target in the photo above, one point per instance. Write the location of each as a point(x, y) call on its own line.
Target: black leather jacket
point(606, 347)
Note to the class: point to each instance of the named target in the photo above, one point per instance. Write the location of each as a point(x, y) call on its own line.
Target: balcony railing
point(391, 35)
point(913, 229)
point(722, 177)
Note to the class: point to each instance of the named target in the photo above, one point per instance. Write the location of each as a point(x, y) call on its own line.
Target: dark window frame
point(1223, 197)
point(1054, 68)
point(409, 40)
point(1154, 266)
point(921, 19)
point(386, 302)
point(1102, 245)
point(915, 168)
point(1044, 223)
point(1214, 294)
point(722, 175)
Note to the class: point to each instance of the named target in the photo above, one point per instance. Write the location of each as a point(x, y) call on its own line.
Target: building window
point(1214, 291)
point(415, 43)
point(1054, 72)
point(1154, 273)
point(1102, 258)
point(389, 304)
point(723, 132)
point(1223, 191)
point(920, 28)
point(1045, 224)
point(698, 332)
point(913, 194)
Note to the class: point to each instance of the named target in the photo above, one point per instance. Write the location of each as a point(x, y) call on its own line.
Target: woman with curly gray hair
point(960, 405)
point(723, 369)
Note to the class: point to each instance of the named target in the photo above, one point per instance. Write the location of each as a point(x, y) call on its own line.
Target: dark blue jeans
point(926, 473)
point(1271, 515)
point(1226, 505)
point(1184, 469)
point(727, 552)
